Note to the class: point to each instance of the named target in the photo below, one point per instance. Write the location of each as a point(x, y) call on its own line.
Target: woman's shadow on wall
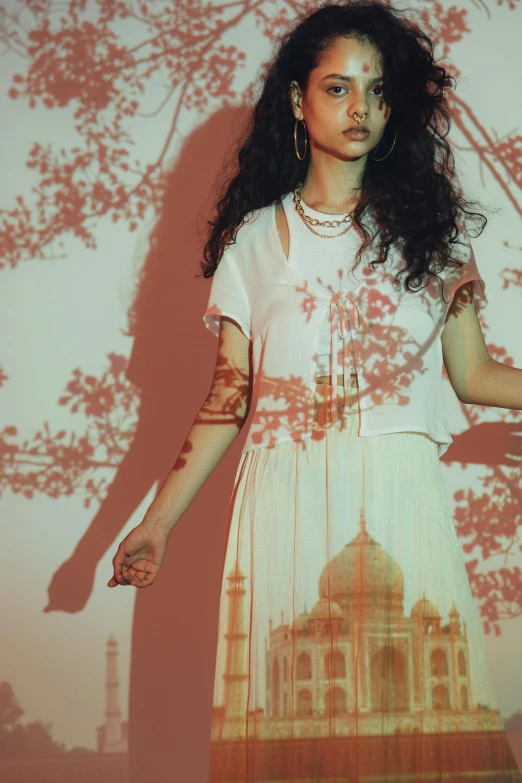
point(174, 632)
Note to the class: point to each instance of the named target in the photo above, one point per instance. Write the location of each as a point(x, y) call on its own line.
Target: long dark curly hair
point(413, 195)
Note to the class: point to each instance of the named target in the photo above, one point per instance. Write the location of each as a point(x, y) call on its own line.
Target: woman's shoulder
point(253, 233)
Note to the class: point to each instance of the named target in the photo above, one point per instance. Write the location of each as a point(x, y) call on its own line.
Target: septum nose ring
point(357, 118)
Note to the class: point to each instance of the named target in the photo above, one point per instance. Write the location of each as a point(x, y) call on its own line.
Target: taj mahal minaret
point(236, 669)
point(112, 736)
point(112, 705)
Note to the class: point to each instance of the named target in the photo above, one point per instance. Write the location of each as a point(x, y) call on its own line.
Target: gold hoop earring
point(392, 146)
point(295, 139)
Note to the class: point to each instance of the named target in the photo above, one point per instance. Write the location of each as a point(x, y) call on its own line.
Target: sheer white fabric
point(325, 262)
point(350, 647)
point(394, 334)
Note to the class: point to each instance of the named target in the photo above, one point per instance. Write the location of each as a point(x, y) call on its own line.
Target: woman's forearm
point(212, 433)
point(497, 385)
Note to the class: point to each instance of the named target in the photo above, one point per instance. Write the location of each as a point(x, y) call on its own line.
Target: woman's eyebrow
point(348, 78)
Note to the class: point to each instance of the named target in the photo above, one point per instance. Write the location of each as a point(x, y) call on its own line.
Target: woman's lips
point(357, 135)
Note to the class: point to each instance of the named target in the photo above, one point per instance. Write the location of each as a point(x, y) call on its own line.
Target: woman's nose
point(359, 104)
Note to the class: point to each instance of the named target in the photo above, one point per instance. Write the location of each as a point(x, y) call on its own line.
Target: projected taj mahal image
point(357, 677)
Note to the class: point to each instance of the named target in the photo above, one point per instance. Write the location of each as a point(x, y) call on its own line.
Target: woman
point(349, 643)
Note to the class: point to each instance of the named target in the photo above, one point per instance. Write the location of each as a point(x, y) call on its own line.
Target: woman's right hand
point(139, 557)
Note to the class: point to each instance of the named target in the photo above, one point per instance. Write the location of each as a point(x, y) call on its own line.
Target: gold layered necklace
point(312, 221)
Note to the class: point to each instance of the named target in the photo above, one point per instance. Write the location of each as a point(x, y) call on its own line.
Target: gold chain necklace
point(312, 221)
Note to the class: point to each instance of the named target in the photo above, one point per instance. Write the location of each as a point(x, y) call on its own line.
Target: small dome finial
point(362, 519)
point(235, 573)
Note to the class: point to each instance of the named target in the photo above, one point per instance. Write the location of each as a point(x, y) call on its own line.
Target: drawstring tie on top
point(344, 308)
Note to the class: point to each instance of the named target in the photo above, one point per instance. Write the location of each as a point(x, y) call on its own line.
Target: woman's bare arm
point(476, 377)
point(215, 428)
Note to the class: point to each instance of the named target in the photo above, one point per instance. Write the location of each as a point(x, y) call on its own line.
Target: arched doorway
point(441, 699)
point(334, 665)
point(303, 667)
point(335, 701)
point(389, 681)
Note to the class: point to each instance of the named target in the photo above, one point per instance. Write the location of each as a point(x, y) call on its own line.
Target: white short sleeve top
point(325, 261)
point(392, 336)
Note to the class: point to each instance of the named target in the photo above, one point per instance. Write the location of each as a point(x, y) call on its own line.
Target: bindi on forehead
point(366, 68)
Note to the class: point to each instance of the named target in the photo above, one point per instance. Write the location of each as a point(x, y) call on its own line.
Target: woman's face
point(348, 80)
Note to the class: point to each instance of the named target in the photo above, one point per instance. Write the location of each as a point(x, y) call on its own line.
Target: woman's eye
point(339, 87)
point(336, 87)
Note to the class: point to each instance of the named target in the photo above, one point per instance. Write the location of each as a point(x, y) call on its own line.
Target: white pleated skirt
point(349, 646)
